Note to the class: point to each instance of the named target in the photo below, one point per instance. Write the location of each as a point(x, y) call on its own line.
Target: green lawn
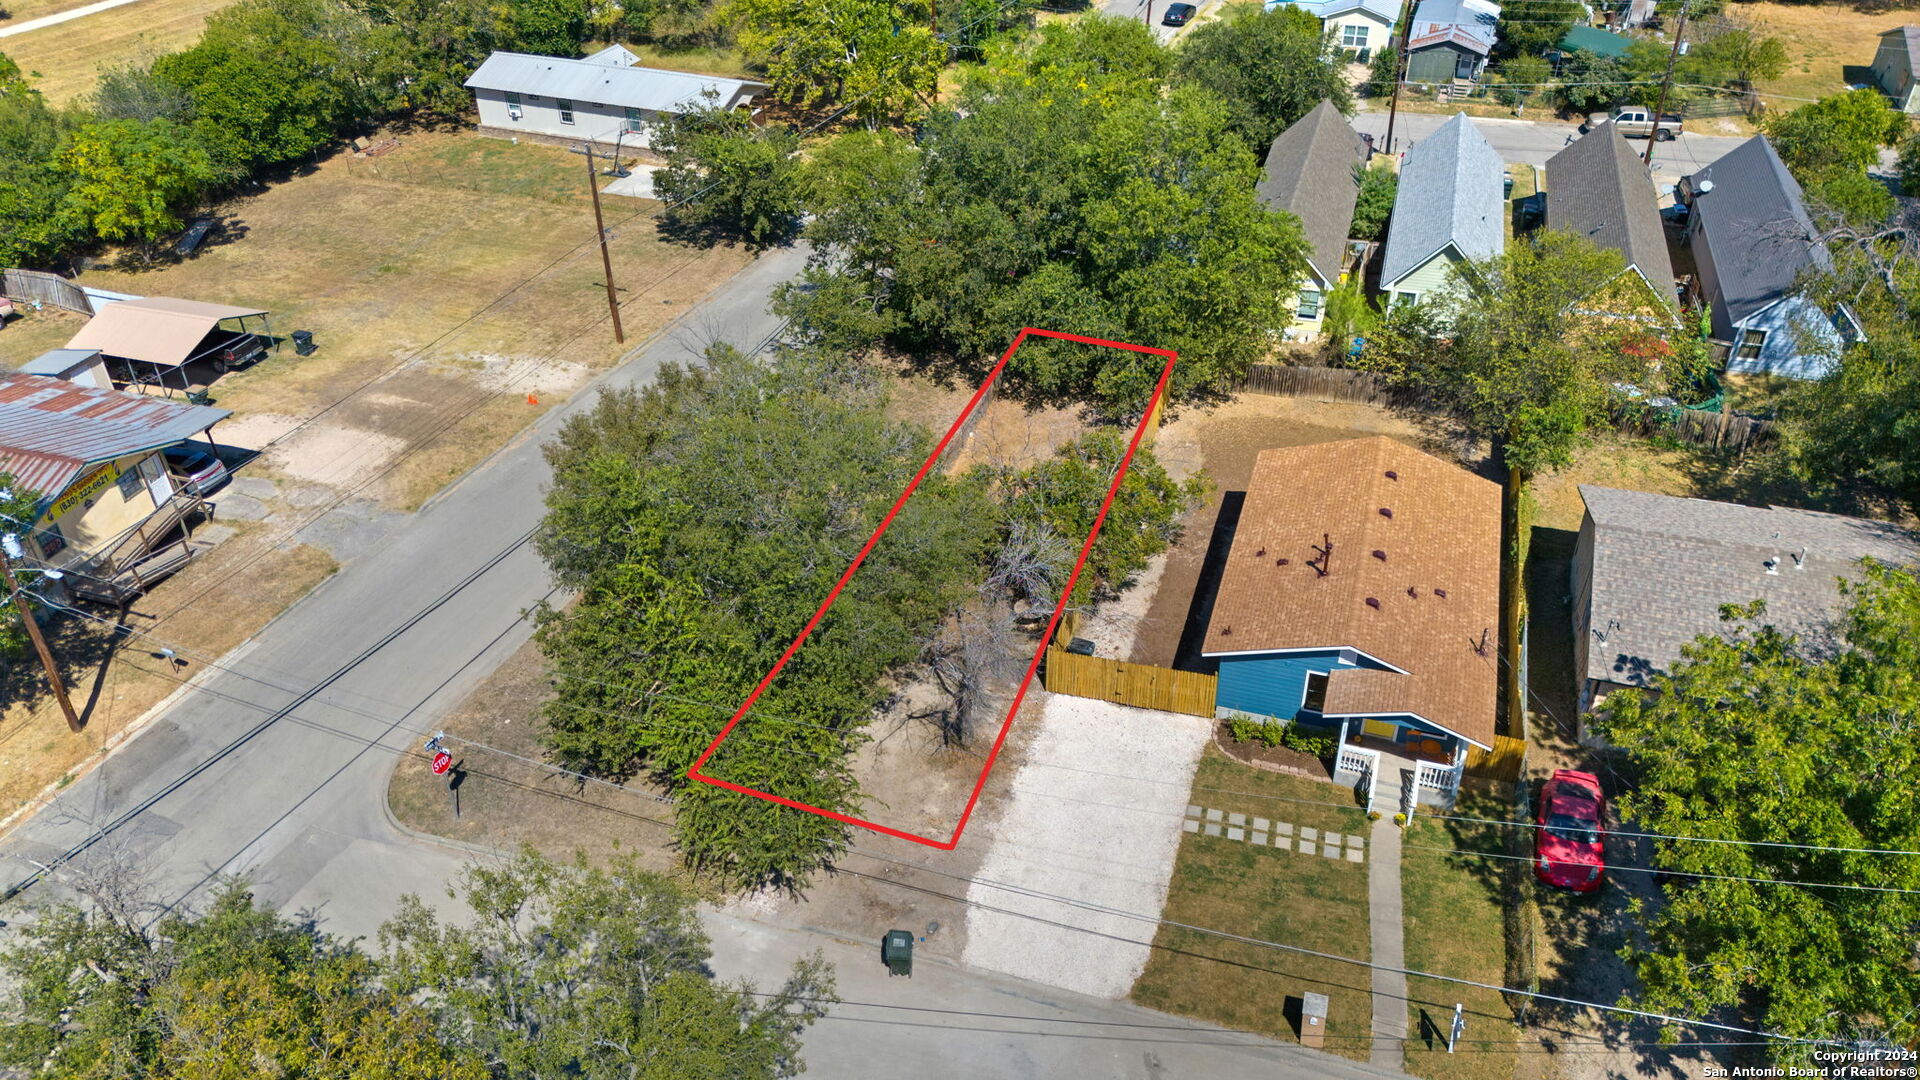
point(1270, 894)
point(1456, 909)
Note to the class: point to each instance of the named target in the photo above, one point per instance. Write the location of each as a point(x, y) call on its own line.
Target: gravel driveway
point(1068, 830)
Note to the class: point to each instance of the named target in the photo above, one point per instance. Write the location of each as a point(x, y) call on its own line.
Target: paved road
point(1532, 142)
point(1138, 9)
point(400, 635)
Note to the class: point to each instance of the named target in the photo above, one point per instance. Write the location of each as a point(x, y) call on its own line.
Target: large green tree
point(1269, 65)
point(876, 58)
point(1790, 747)
point(703, 521)
point(238, 991)
point(600, 974)
point(34, 222)
point(728, 179)
point(1839, 132)
point(418, 53)
point(130, 180)
point(272, 81)
point(1067, 191)
point(1534, 26)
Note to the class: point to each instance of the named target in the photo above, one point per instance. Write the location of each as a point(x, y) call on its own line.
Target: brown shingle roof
point(1425, 608)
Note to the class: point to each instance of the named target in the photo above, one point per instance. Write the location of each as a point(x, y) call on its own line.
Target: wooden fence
point(35, 286)
point(1504, 762)
point(1141, 685)
point(1721, 431)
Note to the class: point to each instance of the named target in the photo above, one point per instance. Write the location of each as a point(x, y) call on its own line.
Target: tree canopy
point(1063, 189)
point(1531, 28)
point(878, 58)
point(1791, 745)
point(726, 178)
point(130, 179)
point(1269, 65)
point(1839, 132)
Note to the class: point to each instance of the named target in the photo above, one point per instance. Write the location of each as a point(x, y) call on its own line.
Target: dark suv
point(1178, 14)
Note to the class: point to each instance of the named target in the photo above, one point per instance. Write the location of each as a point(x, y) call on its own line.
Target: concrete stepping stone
point(1330, 851)
point(1190, 825)
point(1332, 839)
point(1236, 819)
point(1192, 810)
point(1260, 838)
point(1353, 854)
point(1284, 828)
point(1213, 829)
point(1261, 823)
point(1309, 833)
point(1355, 842)
point(1236, 834)
point(1306, 847)
point(1213, 815)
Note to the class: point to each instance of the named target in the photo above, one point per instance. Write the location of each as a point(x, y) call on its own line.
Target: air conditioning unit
point(513, 112)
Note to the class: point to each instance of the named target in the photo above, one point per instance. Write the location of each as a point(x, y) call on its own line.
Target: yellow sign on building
point(83, 489)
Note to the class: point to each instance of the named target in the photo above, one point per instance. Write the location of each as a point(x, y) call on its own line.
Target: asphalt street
point(275, 765)
point(1532, 142)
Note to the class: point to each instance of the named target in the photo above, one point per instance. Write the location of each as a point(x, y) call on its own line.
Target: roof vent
point(1705, 186)
point(1386, 512)
point(1282, 562)
point(1391, 475)
point(1378, 554)
point(1441, 593)
point(1372, 603)
point(1412, 593)
point(1226, 631)
point(1261, 554)
point(1773, 565)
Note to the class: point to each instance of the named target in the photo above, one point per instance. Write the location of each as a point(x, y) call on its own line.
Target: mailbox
point(896, 950)
point(1313, 1020)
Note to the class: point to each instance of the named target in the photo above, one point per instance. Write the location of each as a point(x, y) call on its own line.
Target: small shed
point(1893, 64)
point(155, 337)
point(82, 367)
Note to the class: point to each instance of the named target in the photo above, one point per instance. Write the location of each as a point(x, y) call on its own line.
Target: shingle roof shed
point(1309, 173)
point(1663, 565)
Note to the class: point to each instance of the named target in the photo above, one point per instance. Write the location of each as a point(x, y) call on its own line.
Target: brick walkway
point(1279, 834)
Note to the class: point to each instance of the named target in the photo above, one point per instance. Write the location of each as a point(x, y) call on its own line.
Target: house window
point(1353, 37)
point(513, 105)
point(1316, 699)
point(1407, 298)
point(129, 485)
point(566, 109)
point(1751, 343)
point(1309, 304)
point(635, 122)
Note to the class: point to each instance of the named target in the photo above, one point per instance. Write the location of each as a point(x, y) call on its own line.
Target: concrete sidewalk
point(1384, 919)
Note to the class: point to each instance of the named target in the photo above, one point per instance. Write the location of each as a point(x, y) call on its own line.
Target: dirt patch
point(1224, 441)
point(336, 455)
point(1271, 758)
point(1003, 432)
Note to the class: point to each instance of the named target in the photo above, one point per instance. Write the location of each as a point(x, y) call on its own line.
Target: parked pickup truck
point(1639, 123)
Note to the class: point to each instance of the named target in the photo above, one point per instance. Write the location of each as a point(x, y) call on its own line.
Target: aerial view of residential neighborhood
point(959, 539)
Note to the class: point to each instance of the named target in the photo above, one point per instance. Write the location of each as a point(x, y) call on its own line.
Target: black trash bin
point(896, 949)
point(303, 342)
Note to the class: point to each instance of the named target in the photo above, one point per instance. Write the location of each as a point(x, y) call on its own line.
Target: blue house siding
point(1275, 684)
point(1800, 341)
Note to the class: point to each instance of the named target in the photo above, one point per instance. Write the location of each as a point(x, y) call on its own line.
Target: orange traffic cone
point(531, 400)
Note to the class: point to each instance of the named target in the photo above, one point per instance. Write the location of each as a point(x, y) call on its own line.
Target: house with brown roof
point(1362, 593)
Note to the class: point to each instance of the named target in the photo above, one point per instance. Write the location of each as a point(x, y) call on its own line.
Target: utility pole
point(606, 260)
point(39, 642)
point(1399, 75)
point(1679, 34)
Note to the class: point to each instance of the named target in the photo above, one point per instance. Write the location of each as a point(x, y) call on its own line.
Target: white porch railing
point(1362, 762)
point(1443, 779)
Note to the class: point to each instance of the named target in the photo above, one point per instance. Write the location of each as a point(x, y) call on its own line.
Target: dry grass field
point(68, 57)
point(1828, 46)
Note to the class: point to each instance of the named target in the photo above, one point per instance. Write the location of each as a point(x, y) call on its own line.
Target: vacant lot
point(1828, 46)
point(67, 58)
point(1271, 894)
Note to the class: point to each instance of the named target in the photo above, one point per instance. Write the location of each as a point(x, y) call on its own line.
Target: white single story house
point(1359, 27)
point(602, 99)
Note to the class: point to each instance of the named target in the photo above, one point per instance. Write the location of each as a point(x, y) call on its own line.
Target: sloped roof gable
point(1597, 188)
point(1309, 173)
point(1450, 193)
point(1758, 231)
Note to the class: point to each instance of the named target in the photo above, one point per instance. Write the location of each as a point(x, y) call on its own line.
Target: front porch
point(1399, 774)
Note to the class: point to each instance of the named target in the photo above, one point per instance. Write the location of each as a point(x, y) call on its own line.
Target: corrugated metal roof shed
point(58, 361)
point(653, 89)
point(50, 430)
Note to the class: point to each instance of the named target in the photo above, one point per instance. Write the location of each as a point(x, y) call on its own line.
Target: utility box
point(1313, 1020)
point(896, 951)
point(1080, 647)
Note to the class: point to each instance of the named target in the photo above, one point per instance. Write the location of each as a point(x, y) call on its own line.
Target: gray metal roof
point(1910, 38)
point(1450, 193)
point(58, 361)
point(653, 89)
point(1662, 566)
point(1598, 188)
point(1309, 173)
point(51, 429)
point(1759, 237)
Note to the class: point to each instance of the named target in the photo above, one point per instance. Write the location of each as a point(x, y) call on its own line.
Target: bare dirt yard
point(453, 289)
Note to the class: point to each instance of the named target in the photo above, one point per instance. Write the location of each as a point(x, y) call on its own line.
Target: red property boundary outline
point(979, 784)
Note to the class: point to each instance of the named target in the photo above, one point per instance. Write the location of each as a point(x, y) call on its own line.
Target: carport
point(157, 335)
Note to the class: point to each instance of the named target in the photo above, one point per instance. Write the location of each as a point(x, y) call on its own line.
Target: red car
point(1569, 848)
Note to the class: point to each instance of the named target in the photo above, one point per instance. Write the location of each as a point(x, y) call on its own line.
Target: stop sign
point(442, 761)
